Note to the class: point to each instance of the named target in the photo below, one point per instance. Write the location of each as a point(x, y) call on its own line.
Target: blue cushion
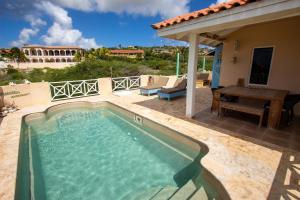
point(172, 95)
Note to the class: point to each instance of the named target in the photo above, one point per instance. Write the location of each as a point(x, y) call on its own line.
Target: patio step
point(185, 192)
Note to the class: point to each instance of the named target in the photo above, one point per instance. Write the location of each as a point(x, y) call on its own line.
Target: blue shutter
point(216, 66)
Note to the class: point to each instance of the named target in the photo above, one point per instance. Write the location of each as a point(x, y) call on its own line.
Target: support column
point(192, 74)
point(203, 64)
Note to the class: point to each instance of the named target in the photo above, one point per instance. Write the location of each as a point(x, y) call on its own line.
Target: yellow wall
point(284, 35)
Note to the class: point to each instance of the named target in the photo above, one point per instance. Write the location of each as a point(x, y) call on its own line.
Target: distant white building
point(129, 53)
point(50, 54)
point(163, 50)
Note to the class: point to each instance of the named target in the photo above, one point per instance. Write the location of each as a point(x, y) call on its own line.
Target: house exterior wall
point(283, 35)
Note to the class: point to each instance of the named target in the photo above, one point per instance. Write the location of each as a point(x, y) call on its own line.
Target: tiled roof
point(127, 51)
point(4, 51)
point(204, 12)
point(51, 47)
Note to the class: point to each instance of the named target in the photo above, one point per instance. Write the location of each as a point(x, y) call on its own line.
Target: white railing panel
point(73, 89)
point(126, 83)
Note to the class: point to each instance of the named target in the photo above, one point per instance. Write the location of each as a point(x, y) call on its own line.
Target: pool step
point(155, 193)
point(165, 193)
point(188, 192)
point(145, 195)
point(185, 192)
point(200, 195)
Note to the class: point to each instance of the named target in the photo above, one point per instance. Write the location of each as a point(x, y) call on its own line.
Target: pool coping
point(245, 169)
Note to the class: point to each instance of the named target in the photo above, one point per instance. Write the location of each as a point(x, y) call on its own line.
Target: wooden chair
point(202, 79)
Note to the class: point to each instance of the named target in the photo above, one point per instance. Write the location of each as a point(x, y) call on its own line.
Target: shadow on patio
point(235, 124)
point(286, 182)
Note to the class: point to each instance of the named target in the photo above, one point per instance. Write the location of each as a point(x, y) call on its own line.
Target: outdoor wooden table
point(276, 97)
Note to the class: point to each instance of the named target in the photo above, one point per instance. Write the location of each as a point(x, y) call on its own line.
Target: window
point(261, 64)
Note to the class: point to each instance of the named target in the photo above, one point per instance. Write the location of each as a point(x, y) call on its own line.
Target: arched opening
point(73, 52)
point(51, 60)
point(68, 53)
point(26, 52)
point(39, 52)
point(34, 60)
point(69, 60)
point(46, 53)
point(51, 53)
point(63, 60)
point(57, 60)
point(33, 52)
point(41, 60)
point(62, 52)
point(56, 52)
point(47, 60)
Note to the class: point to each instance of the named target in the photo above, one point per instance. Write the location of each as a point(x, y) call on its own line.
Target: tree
point(78, 56)
point(17, 55)
point(103, 52)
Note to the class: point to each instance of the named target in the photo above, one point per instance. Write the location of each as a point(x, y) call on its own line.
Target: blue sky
point(89, 23)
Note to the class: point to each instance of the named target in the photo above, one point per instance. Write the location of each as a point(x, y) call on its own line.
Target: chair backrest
point(182, 84)
point(178, 81)
point(203, 76)
point(241, 82)
point(292, 99)
point(161, 80)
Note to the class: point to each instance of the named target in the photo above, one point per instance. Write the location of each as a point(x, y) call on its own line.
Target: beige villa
point(246, 30)
point(43, 54)
point(40, 56)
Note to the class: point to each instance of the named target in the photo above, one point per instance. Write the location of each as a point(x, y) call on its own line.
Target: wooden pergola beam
point(211, 36)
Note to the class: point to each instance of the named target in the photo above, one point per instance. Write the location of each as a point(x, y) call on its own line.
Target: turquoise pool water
point(96, 154)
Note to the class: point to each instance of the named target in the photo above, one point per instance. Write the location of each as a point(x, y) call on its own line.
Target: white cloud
point(26, 33)
point(61, 32)
point(83, 5)
point(219, 1)
point(59, 14)
point(222, 1)
point(24, 36)
point(35, 21)
point(163, 8)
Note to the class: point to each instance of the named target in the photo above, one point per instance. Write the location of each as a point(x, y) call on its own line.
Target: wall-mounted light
point(234, 59)
point(236, 45)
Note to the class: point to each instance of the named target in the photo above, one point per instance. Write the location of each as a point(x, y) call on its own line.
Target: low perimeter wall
point(23, 95)
point(58, 65)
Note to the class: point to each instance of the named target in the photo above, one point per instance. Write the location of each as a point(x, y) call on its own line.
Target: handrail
point(74, 81)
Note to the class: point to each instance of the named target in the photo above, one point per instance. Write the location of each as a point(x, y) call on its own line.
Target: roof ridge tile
point(203, 12)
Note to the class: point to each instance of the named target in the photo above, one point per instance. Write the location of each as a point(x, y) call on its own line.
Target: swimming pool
point(100, 151)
